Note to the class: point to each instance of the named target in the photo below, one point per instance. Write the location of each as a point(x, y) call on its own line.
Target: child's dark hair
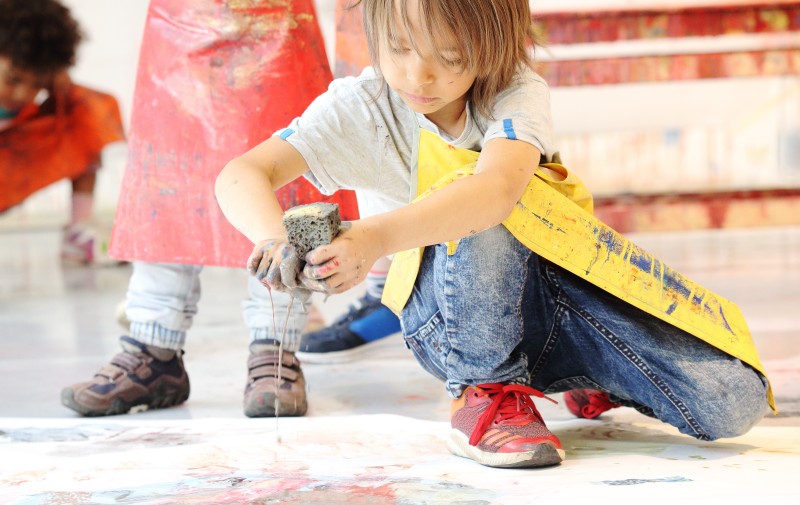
point(39, 36)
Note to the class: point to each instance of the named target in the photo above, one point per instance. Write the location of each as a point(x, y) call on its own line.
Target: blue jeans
point(496, 312)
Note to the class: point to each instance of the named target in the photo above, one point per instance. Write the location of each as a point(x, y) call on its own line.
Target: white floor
point(375, 430)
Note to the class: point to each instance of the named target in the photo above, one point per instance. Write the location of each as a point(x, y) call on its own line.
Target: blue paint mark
point(697, 299)
point(612, 241)
point(641, 260)
point(657, 268)
point(676, 282)
point(724, 319)
point(606, 239)
point(544, 221)
point(673, 284)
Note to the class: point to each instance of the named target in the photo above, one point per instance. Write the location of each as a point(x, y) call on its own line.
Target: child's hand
point(276, 265)
point(340, 265)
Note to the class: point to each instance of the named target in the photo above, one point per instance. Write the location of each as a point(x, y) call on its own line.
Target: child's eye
point(398, 50)
point(457, 62)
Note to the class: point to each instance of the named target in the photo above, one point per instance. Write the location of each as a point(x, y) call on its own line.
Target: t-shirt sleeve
point(332, 135)
point(522, 112)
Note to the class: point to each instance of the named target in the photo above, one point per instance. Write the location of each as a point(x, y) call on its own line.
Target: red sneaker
point(498, 425)
point(588, 403)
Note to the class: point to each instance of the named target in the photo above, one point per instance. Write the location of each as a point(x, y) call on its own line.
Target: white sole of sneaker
point(337, 357)
point(543, 455)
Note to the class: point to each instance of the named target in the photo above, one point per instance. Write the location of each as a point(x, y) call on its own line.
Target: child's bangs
point(438, 31)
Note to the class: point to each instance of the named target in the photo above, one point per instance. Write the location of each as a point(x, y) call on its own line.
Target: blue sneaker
point(367, 322)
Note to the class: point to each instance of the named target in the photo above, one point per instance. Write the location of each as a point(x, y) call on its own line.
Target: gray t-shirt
point(360, 135)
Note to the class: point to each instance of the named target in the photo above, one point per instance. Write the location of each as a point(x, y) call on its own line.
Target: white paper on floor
point(375, 459)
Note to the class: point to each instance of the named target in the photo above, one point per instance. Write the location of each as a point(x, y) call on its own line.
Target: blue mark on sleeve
point(508, 128)
point(286, 133)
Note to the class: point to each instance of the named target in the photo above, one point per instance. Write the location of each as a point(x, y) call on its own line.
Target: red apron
point(215, 78)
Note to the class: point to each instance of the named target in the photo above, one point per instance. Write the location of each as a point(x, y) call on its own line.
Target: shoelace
point(598, 403)
point(510, 402)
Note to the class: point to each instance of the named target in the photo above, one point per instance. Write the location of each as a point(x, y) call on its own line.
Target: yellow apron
point(554, 219)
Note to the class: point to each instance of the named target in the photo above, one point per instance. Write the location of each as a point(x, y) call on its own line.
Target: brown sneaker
point(263, 383)
point(141, 377)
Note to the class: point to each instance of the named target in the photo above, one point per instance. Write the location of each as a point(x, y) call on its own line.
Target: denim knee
point(734, 411)
point(463, 320)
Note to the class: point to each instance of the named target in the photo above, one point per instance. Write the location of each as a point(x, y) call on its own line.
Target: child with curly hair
point(50, 128)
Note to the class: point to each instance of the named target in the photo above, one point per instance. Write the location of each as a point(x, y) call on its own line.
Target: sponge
point(312, 225)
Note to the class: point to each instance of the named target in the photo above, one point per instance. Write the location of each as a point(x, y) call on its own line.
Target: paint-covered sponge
point(310, 226)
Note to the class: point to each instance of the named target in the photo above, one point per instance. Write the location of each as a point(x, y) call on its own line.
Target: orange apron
point(60, 139)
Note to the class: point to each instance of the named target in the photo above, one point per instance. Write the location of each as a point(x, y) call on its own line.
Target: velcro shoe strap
point(111, 372)
point(126, 361)
point(256, 360)
point(260, 372)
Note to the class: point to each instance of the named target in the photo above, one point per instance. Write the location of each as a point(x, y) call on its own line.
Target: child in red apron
point(214, 77)
point(50, 128)
point(506, 286)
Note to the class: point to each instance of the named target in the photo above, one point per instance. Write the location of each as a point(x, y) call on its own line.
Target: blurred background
point(687, 111)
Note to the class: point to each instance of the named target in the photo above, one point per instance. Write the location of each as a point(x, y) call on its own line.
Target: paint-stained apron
point(62, 138)
point(215, 78)
point(554, 219)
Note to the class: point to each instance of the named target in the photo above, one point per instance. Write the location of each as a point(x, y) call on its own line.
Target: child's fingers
point(283, 271)
point(322, 271)
point(320, 255)
point(258, 262)
point(273, 277)
point(253, 261)
point(263, 267)
point(336, 283)
point(289, 267)
point(313, 284)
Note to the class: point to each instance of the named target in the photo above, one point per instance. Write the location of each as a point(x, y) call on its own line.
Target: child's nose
point(419, 71)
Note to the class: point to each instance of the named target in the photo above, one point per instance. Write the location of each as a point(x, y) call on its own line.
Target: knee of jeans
point(495, 247)
point(734, 412)
point(490, 239)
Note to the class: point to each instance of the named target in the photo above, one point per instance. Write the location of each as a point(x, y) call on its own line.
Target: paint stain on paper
point(636, 482)
point(268, 489)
